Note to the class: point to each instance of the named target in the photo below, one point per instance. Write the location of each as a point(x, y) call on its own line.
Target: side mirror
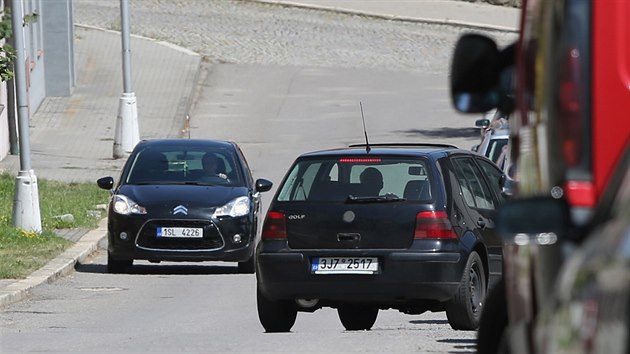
point(481, 75)
point(475, 148)
point(263, 185)
point(105, 183)
point(482, 123)
point(537, 219)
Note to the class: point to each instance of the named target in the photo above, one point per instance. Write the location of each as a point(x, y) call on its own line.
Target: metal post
point(127, 132)
point(11, 111)
point(26, 214)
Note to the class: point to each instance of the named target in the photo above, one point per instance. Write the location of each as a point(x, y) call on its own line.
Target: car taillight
point(580, 193)
point(433, 224)
point(570, 108)
point(275, 227)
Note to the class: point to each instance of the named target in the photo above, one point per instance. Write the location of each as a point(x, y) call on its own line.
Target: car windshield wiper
point(194, 183)
point(379, 199)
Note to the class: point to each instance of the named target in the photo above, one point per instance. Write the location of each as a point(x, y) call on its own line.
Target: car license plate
point(344, 265)
point(185, 232)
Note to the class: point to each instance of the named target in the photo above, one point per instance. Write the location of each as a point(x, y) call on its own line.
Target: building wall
point(34, 47)
point(49, 53)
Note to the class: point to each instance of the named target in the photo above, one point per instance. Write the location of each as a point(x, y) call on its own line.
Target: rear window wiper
point(380, 199)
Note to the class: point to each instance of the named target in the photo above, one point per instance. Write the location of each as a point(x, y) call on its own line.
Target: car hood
point(189, 195)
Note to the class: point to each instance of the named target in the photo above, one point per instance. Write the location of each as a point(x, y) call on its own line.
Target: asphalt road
point(279, 82)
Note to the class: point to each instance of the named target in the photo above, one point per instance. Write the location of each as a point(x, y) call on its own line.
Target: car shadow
point(443, 132)
point(162, 269)
point(429, 321)
point(462, 345)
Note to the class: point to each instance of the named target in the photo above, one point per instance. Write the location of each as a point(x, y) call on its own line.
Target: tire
point(357, 318)
point(247, 267)
point(464, 309)
point(275, 316)
point(117, 265)
point(494, 321)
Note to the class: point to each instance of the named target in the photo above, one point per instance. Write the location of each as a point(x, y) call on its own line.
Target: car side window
point(299, 182)
point(475, 191)
point(494, 176)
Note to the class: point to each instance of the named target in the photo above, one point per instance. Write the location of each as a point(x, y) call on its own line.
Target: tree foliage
point(7, 53)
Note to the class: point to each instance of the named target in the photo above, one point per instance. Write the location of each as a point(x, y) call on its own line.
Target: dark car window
point(475, 191)
point(495, 148)
point(494, 176)
point(336, 179)
point(174, 165)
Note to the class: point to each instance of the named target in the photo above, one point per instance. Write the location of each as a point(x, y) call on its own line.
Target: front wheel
point(464, 309)
point(357, 318)
point(275, 316)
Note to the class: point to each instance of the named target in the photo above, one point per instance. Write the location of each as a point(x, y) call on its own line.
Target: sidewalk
point(72, 137)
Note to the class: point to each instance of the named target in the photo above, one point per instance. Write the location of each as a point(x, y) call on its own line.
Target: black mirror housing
point(105, 183)
point(263, 185)
point(482, 75)
point(533, 216)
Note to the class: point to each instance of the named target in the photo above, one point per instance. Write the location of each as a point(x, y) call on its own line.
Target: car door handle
point(481, 222)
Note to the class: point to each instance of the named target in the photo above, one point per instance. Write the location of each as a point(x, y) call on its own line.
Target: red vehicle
point(567, 80)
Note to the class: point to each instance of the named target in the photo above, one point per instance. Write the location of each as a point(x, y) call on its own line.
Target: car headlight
point(126, 206)
point(236, 207)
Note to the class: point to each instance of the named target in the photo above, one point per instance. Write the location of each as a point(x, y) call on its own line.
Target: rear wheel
point(357, 318)
point(117, 265)
point(247, 267)
point(275, 316)
point(464, 309)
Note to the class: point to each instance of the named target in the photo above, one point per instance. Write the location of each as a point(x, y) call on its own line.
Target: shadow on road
point(164, 269)
point(429, 321)
point(463, 345)
point(443, 132)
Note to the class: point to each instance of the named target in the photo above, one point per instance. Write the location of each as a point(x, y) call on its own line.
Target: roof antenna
point(367, 143)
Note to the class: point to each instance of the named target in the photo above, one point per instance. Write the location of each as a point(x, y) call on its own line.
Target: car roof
point(187, 143)
point(499, 134)
point(393, 149)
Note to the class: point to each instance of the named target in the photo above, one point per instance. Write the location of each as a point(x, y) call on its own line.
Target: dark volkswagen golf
point(183, 200)
point(401, 226)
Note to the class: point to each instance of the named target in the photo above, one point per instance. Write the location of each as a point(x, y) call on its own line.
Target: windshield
point(184, 165)
point(357, 180)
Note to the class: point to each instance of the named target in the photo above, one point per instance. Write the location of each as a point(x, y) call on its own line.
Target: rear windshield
point(185, 165)
point(336, 179)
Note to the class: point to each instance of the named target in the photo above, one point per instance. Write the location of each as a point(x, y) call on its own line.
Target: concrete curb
point(390, 17)
point(58, 267)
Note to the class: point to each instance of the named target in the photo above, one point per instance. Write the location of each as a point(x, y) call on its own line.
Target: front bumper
point(217, 243)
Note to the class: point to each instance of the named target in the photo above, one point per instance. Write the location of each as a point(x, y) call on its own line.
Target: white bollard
point(26, 214)
point(127, 133)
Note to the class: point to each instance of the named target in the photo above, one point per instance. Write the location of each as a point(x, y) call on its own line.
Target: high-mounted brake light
point(433, 225)
point(359, 160)
point(275, 226)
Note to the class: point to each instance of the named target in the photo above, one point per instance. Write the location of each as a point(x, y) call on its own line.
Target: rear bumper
point(402, 276)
